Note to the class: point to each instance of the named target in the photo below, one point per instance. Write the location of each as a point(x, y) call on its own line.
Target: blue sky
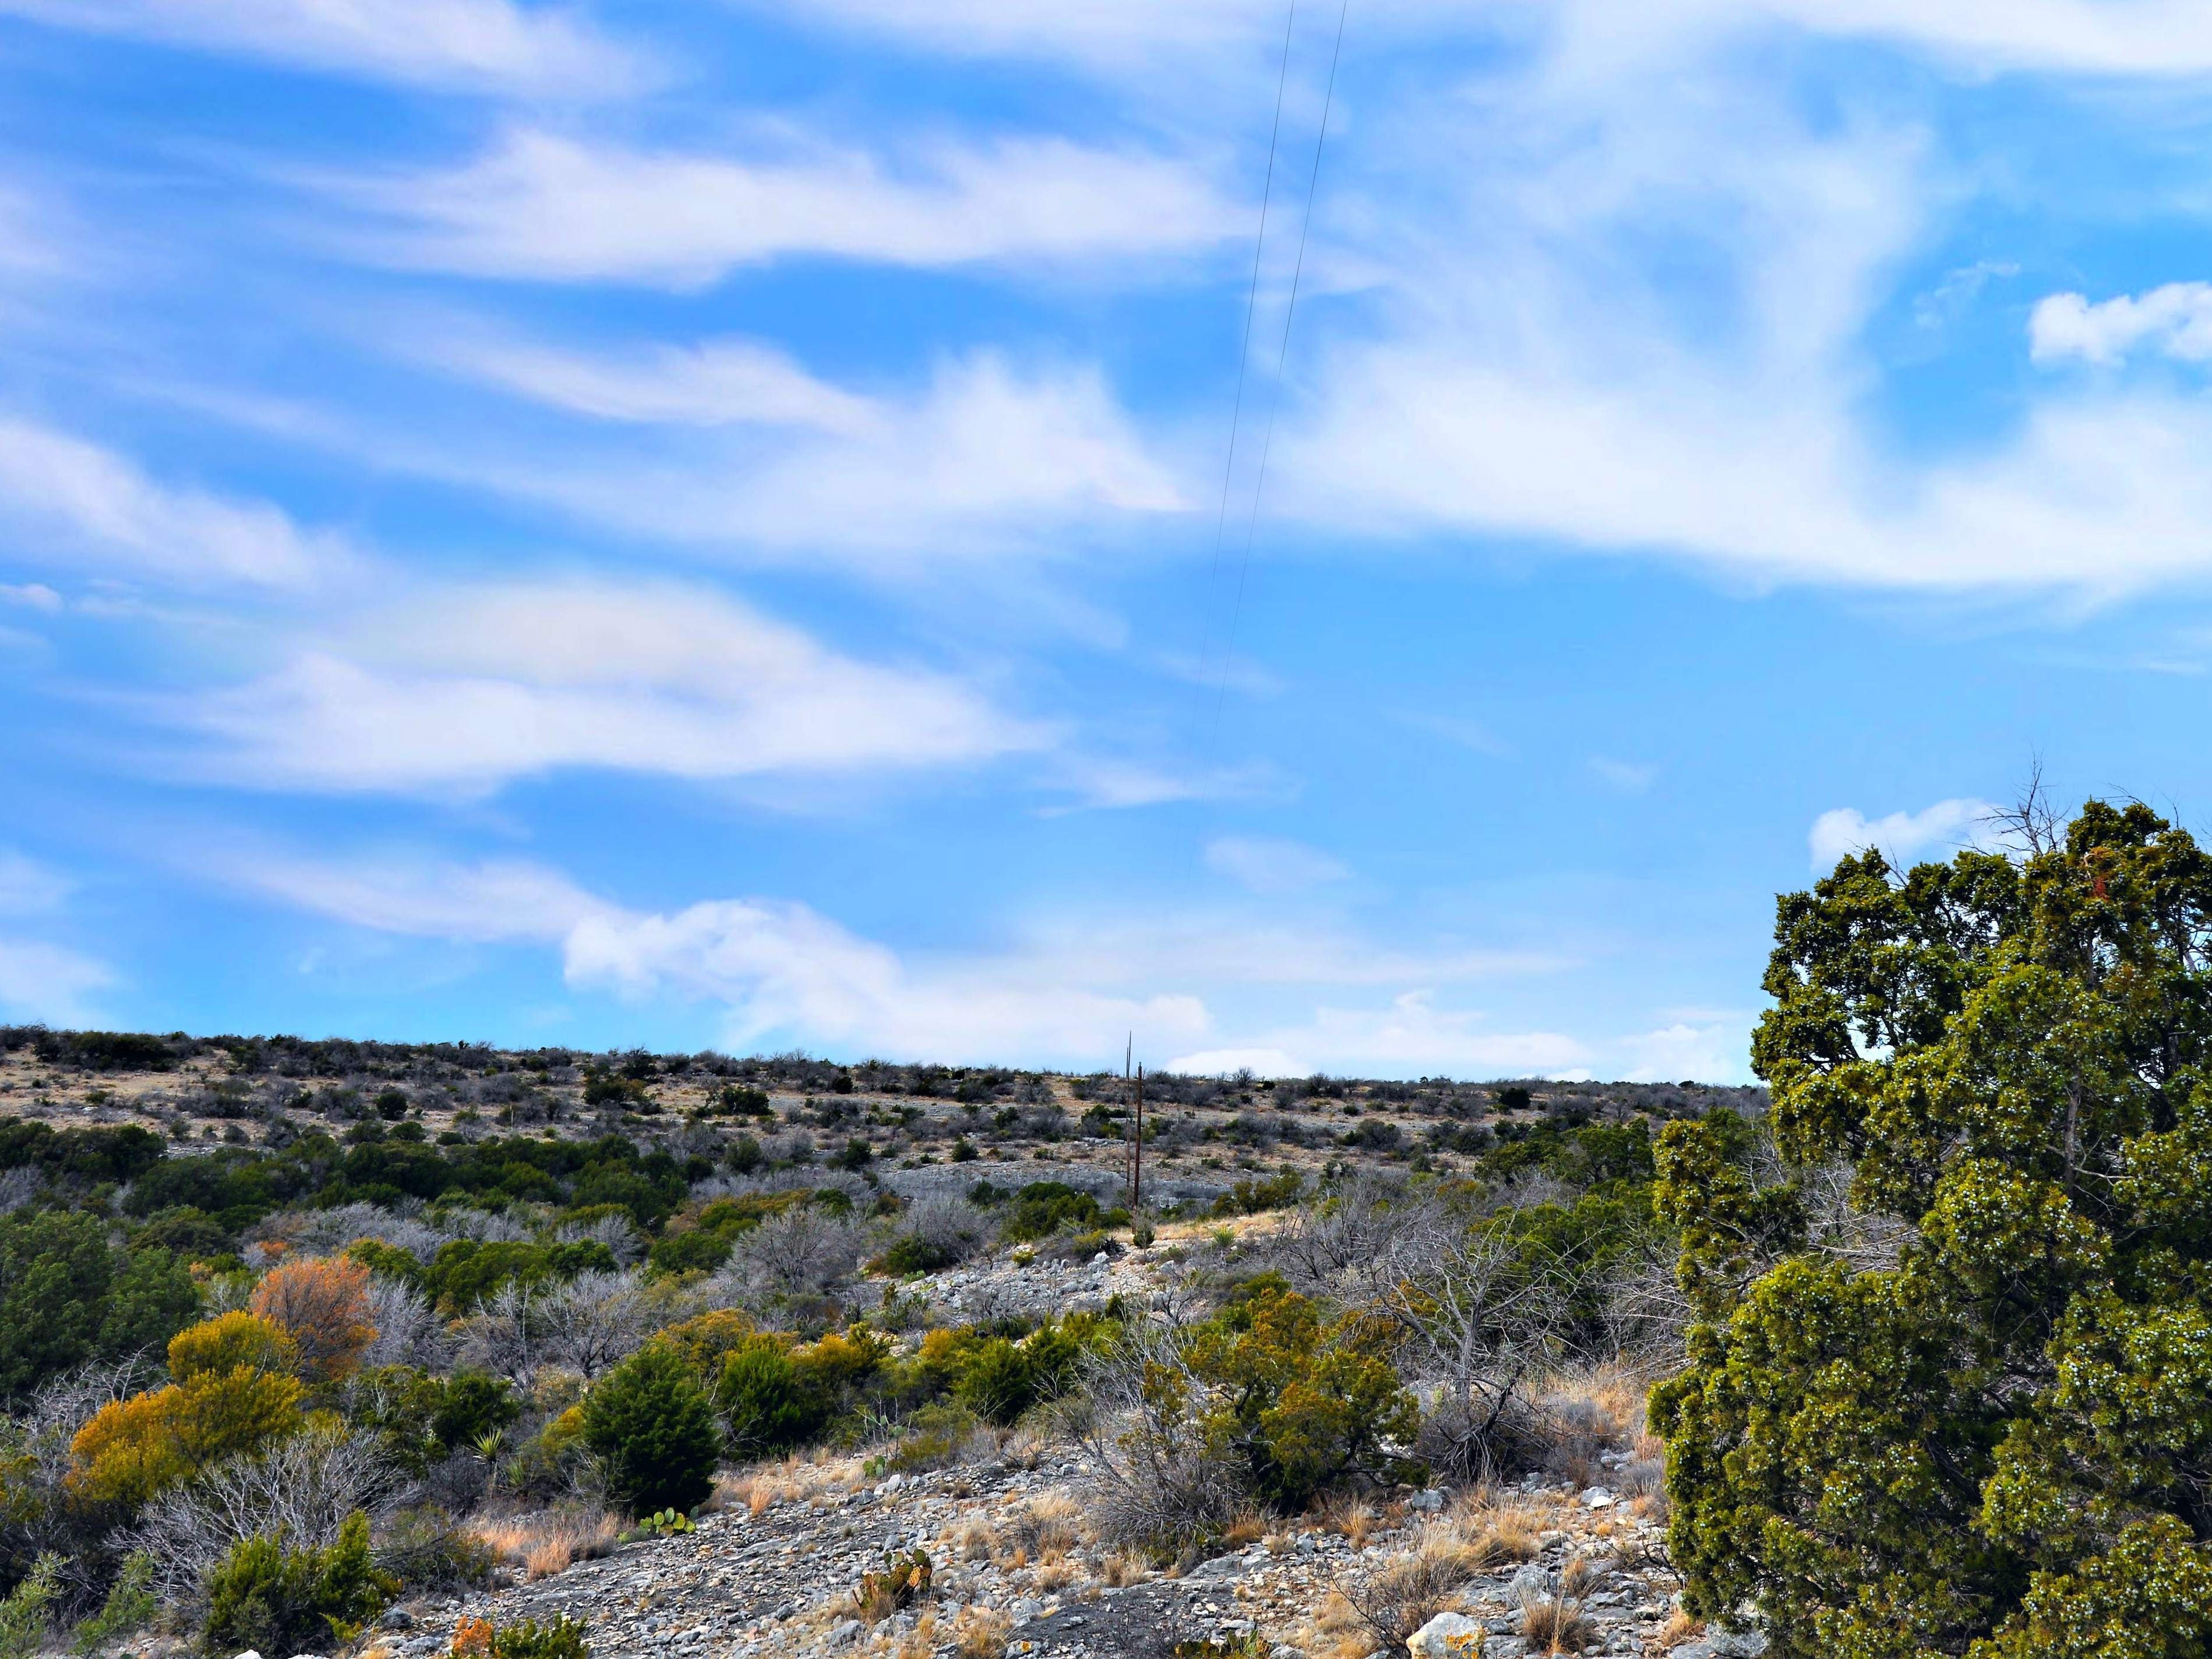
point(701, 525)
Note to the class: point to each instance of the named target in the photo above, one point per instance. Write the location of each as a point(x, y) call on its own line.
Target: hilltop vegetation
point(288, 1328)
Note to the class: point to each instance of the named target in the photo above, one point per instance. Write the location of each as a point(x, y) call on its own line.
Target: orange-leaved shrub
point(322, 1304)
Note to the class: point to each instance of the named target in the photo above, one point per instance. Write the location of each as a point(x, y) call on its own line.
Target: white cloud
point(1410, 1036)
point(2176, 319)
point(94, 509)
point(1529, 371)
point(42, 981)
point(1061, 994)
point(1902, 836)
point(988, 459)
point(33, 596)
point(494, 44)
point(1630, 777)
point(552, 208)
point(1699, 1052)
point(1267, 865)
point(27, 886)
point(494, 902)
point(1460, 729)
point(1223, 1062)
point(473, 687)
point(717, 383)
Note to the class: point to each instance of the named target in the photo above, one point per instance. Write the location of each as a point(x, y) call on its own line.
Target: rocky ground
point(775, 1572)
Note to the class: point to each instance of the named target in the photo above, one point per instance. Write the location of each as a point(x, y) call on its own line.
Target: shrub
point(706, 1341)
point(696, 1251)
point(1043, 1207)
point(228, 1341)
point(273, 1600)
point(562, 1637)
point(426, 1552)
point(651, 1428)
point(905, 1580)
point(130, 1606)
point(29, 1608)
point(67, 1296)
point(472, 1405)
point(913, 1254)
point(323, 1306)
point(135, 1448)
point(1968, 1415)
point(767, 1401)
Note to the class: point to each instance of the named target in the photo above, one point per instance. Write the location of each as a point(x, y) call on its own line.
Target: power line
point(1244, 348)
point(1275, 392)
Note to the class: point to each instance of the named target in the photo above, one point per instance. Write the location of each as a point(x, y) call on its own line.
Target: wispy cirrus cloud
point(722, 382)
point(497, 45)
point(77, 505)
point(549, 208)
point(781, 971)
point(486, 685)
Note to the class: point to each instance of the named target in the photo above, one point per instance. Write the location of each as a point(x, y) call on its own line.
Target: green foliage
point(1998, 1445)
point(1003, 1379)
point(130, 1606)
point(1298, 1400)
point(561, 1637)
point(910, 1253)
point(696, 1251)
point(29, 1608)
point(1251, 1197)
point(67, 1296)
point(652, 1429)
point(275, 1600)
point(1043, 1207)
point(470, 1405)
point(769, 1405)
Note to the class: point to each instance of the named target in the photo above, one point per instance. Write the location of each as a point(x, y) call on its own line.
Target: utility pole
point(1137, 1151)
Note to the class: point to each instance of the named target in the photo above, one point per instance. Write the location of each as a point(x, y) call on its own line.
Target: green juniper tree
point(1996, 1441)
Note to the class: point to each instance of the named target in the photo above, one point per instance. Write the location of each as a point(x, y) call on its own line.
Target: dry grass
point(1551, 1625)
point(1246, 1528)
point(1680, 1628)
point(1353, 1517)
point(544, 1544)
point(1122, 1569)
point(981, 1632)
point(970, 1541)
point(1506, 1528)
point(1051, 1523)
point(1414, 1588)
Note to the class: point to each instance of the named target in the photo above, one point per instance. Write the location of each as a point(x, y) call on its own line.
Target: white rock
point(1597, 1497)
point(844, 1634)
point(1425, 1500)
point(1448, 1633)
point(249, 1654)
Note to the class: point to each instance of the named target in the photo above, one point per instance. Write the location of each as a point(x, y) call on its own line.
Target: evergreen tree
point(1973, 1415)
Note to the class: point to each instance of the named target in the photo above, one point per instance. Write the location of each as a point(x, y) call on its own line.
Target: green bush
point(562, 1637)
point(654, 1432)
point(274, 1600)
point(28, 1609)
point(1043, 1207)
point(427, 1553)
point(67, 1296)
point(769, 1403)
point(472, 1405)
point(1984, 1431)
point(130, 1606)
point(913, 1254)
point(696, 1251)
point(1003, 1379)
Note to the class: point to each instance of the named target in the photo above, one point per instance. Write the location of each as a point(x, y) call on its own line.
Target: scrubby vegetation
point(1926, 1333)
